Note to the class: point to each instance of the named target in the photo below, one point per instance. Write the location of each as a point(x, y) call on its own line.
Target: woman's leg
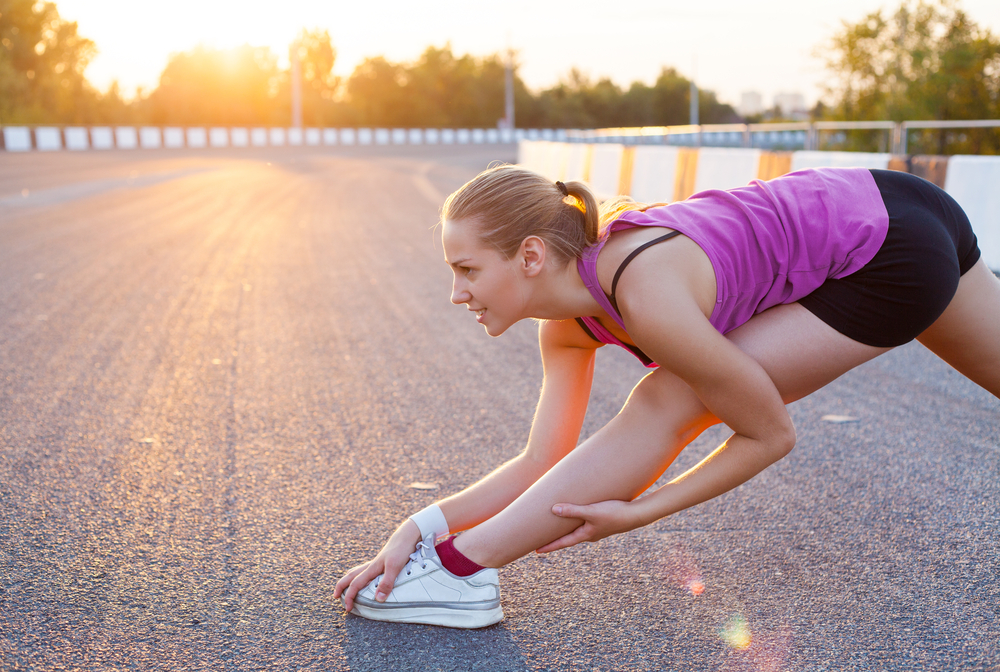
point(967, 335)
point(662, 415)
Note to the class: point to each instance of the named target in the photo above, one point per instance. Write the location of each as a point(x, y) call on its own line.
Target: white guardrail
point(666, 173)
point(80, 138)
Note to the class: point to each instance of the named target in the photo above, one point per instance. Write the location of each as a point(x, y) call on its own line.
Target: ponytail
point(510, 203)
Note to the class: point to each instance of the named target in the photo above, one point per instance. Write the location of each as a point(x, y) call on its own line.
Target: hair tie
point(562, 187)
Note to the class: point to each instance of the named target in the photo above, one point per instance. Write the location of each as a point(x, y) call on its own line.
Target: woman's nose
point(459, 294)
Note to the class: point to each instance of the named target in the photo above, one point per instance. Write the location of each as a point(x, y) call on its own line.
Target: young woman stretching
point(746, 300)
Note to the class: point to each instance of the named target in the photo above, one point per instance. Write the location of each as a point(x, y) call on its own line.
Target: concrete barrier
point(507, 136)
point(974, 181)
point(802, 160)
point(382, 136)
point(577, 164)
point(492, 136)
point(126, 137)
point(774, 164)
point(654, 173)
point(448, 136)
point(686, 173)
point(330, 136)
point(313, 137)
point(432, 136)
point(102, 137)
point(197, 138)
point(77, 138)
point(218, 137)
point(295, 136)
point(348, 136)
point(239, 137)
point(364, 136)
point(478, 136)
point(726, 168)
point(276, 136)
point(17, 138)
point(173, 137)
point(462, 136)
point(258, 137)
point(606, 170)
point(399, 136)
point(48, 139)
point(150, 137)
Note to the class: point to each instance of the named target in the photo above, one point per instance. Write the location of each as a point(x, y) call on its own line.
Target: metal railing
point(806, 134)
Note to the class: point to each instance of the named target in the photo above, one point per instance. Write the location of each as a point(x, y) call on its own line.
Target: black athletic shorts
point(912, 278)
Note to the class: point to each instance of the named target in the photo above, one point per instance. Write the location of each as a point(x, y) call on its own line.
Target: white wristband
point(431, 521)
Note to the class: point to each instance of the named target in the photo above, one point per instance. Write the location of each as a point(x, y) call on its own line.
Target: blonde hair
point(510, 203)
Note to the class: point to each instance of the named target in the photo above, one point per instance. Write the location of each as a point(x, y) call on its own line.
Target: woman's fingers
point(582, 533)
point(391, 571)
point(361, 580)
point(345, 581)
point(571, 511)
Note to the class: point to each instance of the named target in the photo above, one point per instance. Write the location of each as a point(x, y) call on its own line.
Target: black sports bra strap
point(628, 259)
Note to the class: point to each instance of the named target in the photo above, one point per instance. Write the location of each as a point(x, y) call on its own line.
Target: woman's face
point(485, 281)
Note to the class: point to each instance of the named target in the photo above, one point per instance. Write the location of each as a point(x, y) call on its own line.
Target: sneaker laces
point(420, 555)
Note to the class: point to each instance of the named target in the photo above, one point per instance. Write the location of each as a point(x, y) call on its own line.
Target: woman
point(742, 301)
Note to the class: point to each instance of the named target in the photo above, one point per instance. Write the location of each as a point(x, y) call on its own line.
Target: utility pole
point(509, 90)
point(296, 85)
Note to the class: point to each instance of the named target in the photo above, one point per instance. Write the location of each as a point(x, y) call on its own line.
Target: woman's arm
point(673, 330)
point(568, 367)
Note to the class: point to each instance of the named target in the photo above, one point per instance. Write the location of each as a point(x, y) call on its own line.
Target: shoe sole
point(449, 618)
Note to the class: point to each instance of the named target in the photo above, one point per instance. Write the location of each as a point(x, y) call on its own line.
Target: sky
point(728, 46)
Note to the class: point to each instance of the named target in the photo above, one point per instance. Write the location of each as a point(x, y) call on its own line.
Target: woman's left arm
point(731, 384)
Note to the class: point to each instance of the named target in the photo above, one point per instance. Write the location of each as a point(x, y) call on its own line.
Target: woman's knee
point(664, 396)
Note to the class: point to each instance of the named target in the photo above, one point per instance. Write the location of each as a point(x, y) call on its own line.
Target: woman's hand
point(389, 561)
point(599, 520)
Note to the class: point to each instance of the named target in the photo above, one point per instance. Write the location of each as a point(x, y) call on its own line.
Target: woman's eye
point(466, 270)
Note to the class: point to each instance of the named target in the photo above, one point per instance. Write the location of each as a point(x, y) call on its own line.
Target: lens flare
point(736, 633)
point(681, 569)
point(696, 586)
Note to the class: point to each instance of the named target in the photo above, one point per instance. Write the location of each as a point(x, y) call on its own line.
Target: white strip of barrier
point(258, 137)
point(507, 136)
point(239, 137)
point(276, 137)
point(173, 137)
point(974, 181)
point(447, 136)
point(102, 137)
point(48, 139)
point(726, 168)
point(654, 171)
point(382, 136)
point(17, 138)
point(330, 136)
point(364, 136)
point(492, 136)
point(462, 136)
point(149, 137)
point(295, 137)
point(218, 137)
point(432, 136)
point(526, 153)
point(576, 162)
point(398, 136)
point(548, 134)
point(313, 137)
point(559, 135)
point(478, 136)
point(520, 134)
point(802, 160)
point(348, 136)
point(197, 138)
point(77, 138)
point(126, 137)
point(606, 170)
point(415, 136)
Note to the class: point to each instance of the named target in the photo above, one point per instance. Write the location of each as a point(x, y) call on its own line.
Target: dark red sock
point(454, 561)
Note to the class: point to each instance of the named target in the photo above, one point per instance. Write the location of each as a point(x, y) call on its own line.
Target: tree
point(42, 59)
point(232, 87)
point(925, 61)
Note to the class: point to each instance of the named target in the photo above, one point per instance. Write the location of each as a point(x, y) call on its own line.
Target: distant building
point(792, 105)
point(751, 104)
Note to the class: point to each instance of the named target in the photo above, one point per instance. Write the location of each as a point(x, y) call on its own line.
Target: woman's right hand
point(389, 561)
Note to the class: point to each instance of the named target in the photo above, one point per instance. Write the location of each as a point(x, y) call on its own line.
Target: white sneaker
point(426, 592)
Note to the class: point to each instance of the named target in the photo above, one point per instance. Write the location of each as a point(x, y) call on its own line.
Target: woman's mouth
point(479, 314)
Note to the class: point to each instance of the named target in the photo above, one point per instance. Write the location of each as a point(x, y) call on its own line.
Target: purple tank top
point(770, 243)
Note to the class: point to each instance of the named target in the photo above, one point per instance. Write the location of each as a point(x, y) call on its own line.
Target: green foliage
point(925, 61)
point(42, 59)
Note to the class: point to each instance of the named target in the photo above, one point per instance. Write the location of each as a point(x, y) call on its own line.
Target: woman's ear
point(532, 255)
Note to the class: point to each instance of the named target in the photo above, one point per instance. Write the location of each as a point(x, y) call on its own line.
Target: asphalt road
point(221, 372)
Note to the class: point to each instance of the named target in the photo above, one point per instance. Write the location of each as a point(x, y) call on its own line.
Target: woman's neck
point(559, 294)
